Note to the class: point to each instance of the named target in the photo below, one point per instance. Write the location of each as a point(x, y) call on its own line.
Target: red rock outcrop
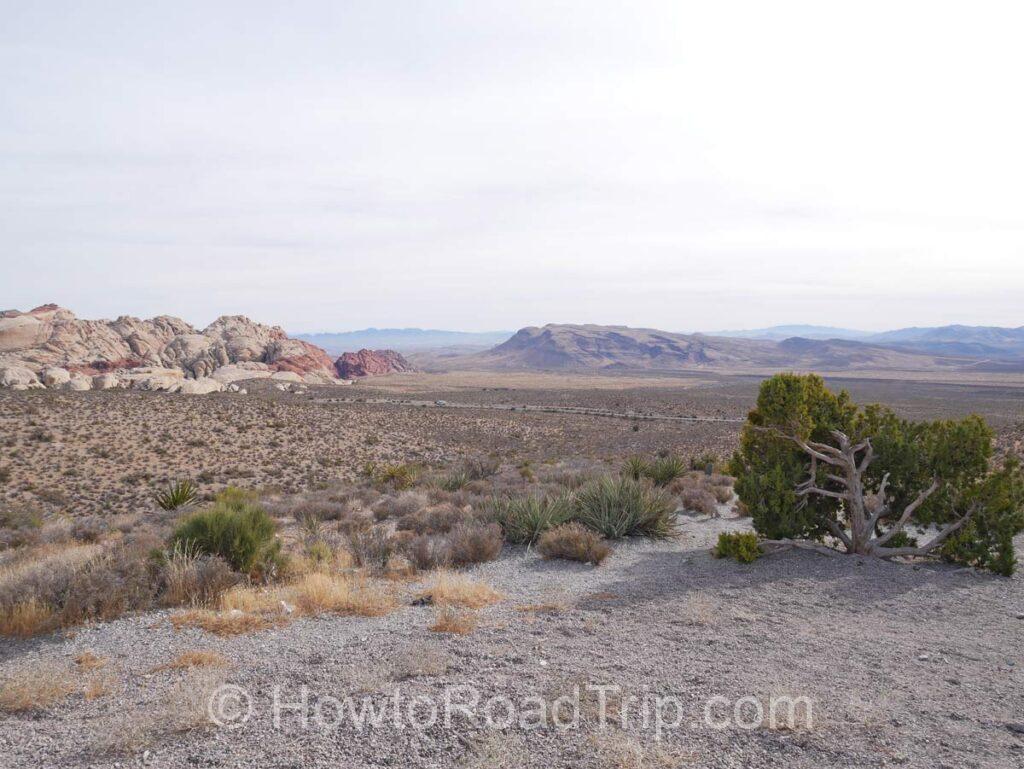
point(370, 363)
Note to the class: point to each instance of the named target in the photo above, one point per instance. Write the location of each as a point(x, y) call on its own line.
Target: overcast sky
point(488, 165)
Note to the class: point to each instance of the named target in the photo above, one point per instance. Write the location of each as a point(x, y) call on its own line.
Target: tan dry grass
point(450, 589)
point(35, 688)
point(451, 620)
point(87, 660)
point(225, 624)
point(195, 658)
point(319, 593)
point(28, 618)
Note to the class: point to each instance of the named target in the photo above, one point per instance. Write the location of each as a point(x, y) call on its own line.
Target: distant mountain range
point(968, 341)
point(404, 339)
point(786, 332)
point(595, 347)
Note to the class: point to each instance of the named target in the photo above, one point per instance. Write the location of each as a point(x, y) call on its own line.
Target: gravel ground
point(906, 665)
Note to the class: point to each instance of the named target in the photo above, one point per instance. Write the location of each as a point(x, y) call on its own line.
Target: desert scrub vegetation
point(623, 507)
point(452, 620)
point(452, 589)
point(574, 542)
point(819, 472)
point(523, 518)
point(235, 528)
point(661, 470)
point(742, 546)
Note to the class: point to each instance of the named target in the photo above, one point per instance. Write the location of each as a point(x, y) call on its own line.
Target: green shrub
point(705, 460)
point(574, 542)
point(622, 507)
point(739, 545)
point(236, 529)
point(176, 495)
point(395, 476)
point(524, 518)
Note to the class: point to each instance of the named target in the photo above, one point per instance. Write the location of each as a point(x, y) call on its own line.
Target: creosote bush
point(739, 545)
point(574, 542)
point(235, 528)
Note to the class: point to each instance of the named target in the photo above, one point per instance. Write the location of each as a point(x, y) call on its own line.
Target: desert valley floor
point(915, 665)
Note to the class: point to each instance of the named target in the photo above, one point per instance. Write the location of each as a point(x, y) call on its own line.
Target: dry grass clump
point(372, 548)
point(438, 519)
point(574, 542)
point(474, 543)
point(451, 620)
point(90, 661)
point(225, 624)
point(340, 594)
point(34, 688)
point(427, 552)
point(193, 579)
point(28, 618)
point(699, 500)
point(196, 658)
point(450, 589)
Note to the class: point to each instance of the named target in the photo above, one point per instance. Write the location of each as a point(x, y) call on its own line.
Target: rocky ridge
point(49, 347)
point(352, 365)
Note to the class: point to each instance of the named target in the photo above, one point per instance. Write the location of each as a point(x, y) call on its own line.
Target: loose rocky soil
point(916, 666)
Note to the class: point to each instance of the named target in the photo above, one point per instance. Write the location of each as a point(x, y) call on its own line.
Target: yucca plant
point(454, 481)
point(664, 470)
point(623, 507)
point(177, 494)
point(636, 468)
point(525, 517)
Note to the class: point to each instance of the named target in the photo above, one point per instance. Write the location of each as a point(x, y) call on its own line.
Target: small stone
point(923, 657)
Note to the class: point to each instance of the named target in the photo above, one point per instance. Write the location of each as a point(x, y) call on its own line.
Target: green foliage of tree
point(813, 466)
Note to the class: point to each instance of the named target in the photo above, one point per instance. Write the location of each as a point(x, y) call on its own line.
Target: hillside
point(593, 347)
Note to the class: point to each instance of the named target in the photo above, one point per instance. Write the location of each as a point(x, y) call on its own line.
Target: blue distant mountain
point(787, 332)
point(404, 339)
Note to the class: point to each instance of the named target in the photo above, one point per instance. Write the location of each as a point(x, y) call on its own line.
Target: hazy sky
point(488, 165)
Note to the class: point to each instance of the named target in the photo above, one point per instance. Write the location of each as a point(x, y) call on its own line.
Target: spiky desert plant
point(635, 468)
point(525, 517)
point(177, 494)
point(664, 470)
point(622, 507)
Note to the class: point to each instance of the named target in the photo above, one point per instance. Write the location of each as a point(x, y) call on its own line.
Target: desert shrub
point(395, 476)
point(319, 509)
point(663, 470)
point(176, 495)
point(479, 468)
point(319, 553)
point(722, 494)
point(574, 542)
point(621, 507)
point(452, 589)
point(704, 460)
point(194, 579)
point(371, 548)
point(396, 506)
point(236, 529)
point(91, 528)
point(739, 545)
point(524, 518)
point(439, 519)
point(474, 543)
point(426, 552)
point(75, 585)
point(635, 468)
point(34, 688)
point(699, 500)
point(20, 517)
point(5, 474)
point(454, 481)
point(451, 620)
